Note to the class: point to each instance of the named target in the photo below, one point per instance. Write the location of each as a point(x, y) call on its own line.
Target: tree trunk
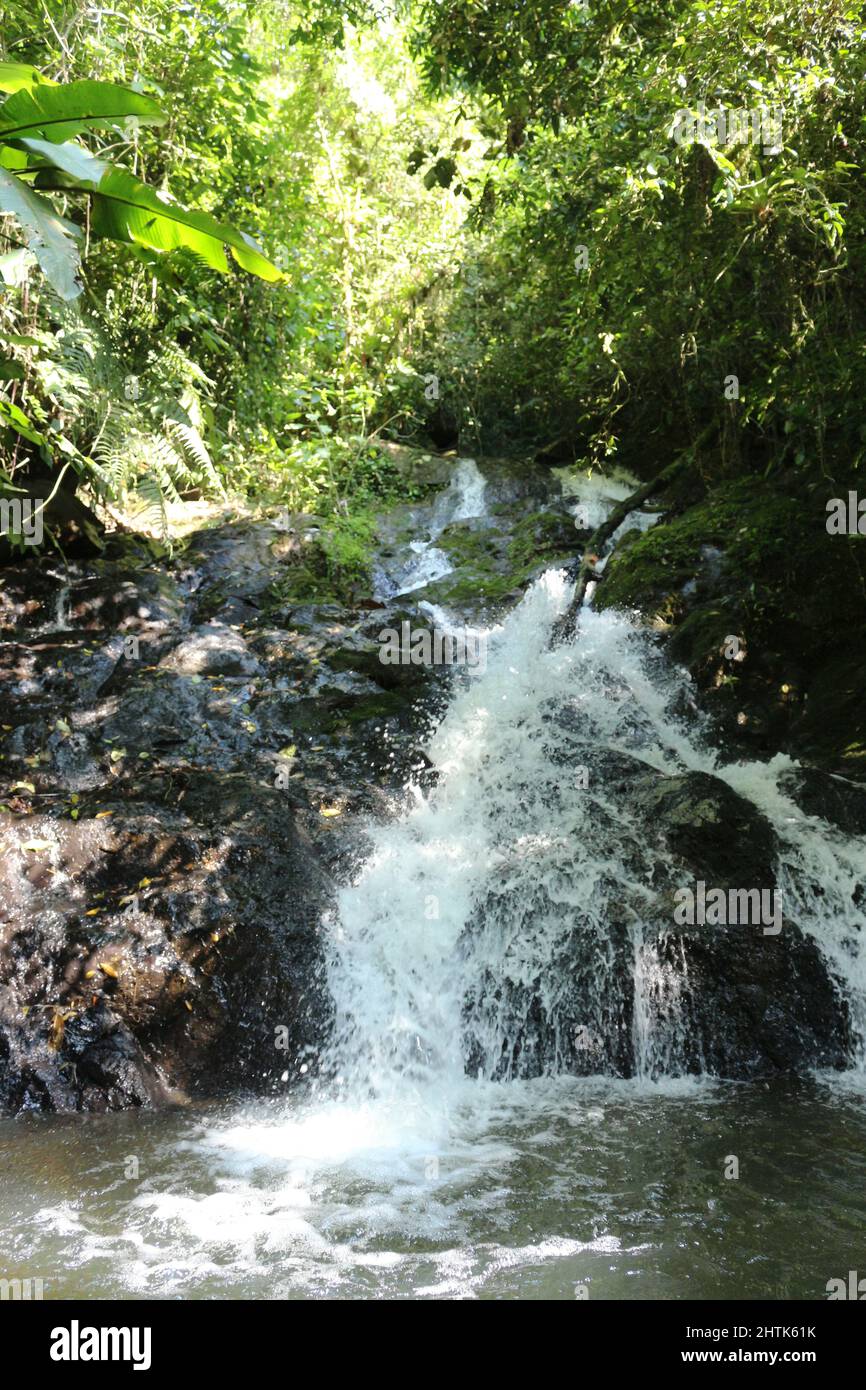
point(566, 625)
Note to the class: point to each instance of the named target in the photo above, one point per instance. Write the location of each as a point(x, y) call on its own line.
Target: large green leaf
point(125, 209)
point(13, 158)
point(48, 236)
point(11, 415)
point(20, 340)
point(14, 76)
point(72, 159)
point(59, 112)
point(14, 266)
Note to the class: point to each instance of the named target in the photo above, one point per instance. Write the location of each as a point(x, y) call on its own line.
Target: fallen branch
point(600, 537)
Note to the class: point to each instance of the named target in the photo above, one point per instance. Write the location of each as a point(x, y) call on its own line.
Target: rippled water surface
point(522, 1190)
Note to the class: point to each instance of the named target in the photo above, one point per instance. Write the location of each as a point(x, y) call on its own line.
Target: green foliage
point(36, 126)
point(705, 258)
point(150, 453)
point(424, 177)
point(137, 441)
point(282, 119)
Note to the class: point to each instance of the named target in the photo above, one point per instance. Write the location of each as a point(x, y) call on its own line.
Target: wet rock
point(712, 831)
point(576, 1014)
point(741, 999)
point(835, 799)
point(747, 1005)
point(716, 568)
point(101, 596)
point(626, 986)
point(421, 468)
point(30, 1079)
point(192, 805)
point(32, 597)
point(109, 1069)
point(165, 954)
point(491, 566)
point(113, 602)
point(214, 649)
point(511, 481)
point(188, 797)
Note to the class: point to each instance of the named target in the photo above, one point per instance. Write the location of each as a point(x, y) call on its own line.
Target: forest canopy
point(591, 229)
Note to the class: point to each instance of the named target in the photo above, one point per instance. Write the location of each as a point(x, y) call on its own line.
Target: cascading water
point(422, 562)
point(503, 1109)
point(496, 928)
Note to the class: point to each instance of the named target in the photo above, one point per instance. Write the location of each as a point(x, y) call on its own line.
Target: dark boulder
point(161, 956)
point(750, 1005)
point(575, 969)
point(750, 1001)
point(835, 799)
point(707, 827)
point(566, 1007)
point(173, 816)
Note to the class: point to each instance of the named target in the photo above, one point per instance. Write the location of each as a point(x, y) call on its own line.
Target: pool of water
point(548, 1189)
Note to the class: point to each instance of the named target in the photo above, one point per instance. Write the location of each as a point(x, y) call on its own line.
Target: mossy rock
point(425, 472)
point(751, 524)
point(336, 712)
point(832, 730)
point(468, 544)
point(543, 535)
point(780, 584)
point(492, 565)
point(700, 639)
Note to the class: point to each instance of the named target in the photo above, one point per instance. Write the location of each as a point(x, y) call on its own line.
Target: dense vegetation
point(481, 224)
point(544, 128)
point(166, 375)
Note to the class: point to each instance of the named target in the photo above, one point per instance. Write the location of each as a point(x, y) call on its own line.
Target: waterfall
point(508, 1106)
point(495, 921)
point(424, 562)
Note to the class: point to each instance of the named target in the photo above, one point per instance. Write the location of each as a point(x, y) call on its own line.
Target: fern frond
point(151, 514)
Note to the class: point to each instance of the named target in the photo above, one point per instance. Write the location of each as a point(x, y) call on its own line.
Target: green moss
point(210, 603)
point(468, 586)
point(542, 536)
point(466, 546)
point(833, 728)
point(786, 588)
point(490, 566)
point(383, 706)
point(332, 568)
point(751, 524)
point(702, 635)
point(334, 714)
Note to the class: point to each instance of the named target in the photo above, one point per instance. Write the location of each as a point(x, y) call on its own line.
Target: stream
point(513, 1103)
